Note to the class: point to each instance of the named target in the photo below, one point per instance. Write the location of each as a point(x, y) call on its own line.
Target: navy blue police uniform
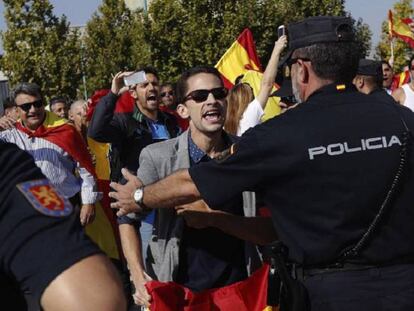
point(324, 169)
point(40, 235)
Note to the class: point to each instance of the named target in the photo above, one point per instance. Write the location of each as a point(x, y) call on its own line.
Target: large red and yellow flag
point(238, 59)
point(401, 28)
point(247, 295)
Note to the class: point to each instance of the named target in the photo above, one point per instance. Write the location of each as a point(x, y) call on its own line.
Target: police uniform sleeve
point(40, 234)
point(240, 168)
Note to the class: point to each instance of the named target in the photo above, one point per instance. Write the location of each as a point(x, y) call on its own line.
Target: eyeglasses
point(26, 106)
point(292, 61)
point(201, 95)
point(163, 94)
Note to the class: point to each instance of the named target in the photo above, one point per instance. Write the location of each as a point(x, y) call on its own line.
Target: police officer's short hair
point(336, 61)
point(27, 88)
point(182, 85)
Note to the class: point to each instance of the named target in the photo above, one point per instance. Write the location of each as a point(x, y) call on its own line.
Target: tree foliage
point(40, 47)
point(402, 51)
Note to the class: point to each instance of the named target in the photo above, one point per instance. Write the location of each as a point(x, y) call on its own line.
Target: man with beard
point(333, 173)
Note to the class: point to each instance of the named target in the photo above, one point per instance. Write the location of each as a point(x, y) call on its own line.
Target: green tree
point(40, 47)
point(111, 37)
point(402, 51)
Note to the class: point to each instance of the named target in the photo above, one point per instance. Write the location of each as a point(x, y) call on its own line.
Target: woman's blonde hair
point(237, 101)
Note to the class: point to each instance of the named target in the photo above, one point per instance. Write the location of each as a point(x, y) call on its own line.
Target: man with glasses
point(199, 253)
point(57, 148)
point(333, 173)
point(405, 94)
point(168, 104)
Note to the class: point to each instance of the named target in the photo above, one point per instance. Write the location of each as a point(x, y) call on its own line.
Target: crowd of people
point(200, 186)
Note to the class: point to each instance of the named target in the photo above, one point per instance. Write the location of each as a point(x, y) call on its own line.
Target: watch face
point(138, 195)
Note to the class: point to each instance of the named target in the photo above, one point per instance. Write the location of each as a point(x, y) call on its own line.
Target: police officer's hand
point(6, 123)
point(118, 86)
point(87, 214)
point(141, 296)
point(124, 194)
point(196, 214)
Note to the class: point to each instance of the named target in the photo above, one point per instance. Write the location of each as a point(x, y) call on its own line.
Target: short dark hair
point(58, 99)
point(182, 85)
point(8, 102)
point(335, 61)
point(149, 69)
point(27, 88)
point(383, 61)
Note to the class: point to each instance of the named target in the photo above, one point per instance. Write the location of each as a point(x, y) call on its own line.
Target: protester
point(11, 114)
point(348, 234)
point(404, 95)
point(77, 116)
point(43, 248)
point(199, 258)
point(167, 95)
point(57, 148)
point(59, 106)
point(245, 112)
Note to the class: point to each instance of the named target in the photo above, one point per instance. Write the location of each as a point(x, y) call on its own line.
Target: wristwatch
point(139, 195)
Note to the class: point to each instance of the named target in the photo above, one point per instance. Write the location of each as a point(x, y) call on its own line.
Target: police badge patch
point(226, 154)
point(45, 198)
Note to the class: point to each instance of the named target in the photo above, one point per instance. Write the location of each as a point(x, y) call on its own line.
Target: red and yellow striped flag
point(239, 58)
point(401, 28)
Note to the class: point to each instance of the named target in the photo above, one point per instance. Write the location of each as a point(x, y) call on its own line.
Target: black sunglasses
point(26, 106)
point(201, 95)
point(163, 94)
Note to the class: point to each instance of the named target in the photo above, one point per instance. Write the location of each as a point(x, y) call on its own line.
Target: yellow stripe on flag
point(232, 63)
point(254, 78)
point(100, 152)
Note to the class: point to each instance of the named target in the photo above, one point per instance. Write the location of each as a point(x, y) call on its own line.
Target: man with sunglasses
point(56, 146)
point(404, 95)
point(168, 104)
point(199, 254)
point(337, 173)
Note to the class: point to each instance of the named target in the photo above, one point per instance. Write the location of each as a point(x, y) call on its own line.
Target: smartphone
point(281, 31)
point(135, 78)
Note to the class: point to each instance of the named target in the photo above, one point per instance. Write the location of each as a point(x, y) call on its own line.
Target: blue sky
point(373, 12)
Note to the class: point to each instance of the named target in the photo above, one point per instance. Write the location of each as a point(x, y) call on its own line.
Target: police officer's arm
point(399, 95)
point(258, 230)
point(269, 75)
point(104, 127)
point(90, 284)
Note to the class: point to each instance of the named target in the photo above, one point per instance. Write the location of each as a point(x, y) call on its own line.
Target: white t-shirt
point(251, 117)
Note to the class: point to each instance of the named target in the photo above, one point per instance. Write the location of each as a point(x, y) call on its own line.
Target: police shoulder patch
point(45, 198)
point(226, 154)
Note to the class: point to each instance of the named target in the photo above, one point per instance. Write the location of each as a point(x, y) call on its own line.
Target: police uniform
point(40, 235)
point(324, 168)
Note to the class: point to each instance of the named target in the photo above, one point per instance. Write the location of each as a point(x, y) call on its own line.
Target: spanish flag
point(240, 57)
point(402, 28)
point(247, 295)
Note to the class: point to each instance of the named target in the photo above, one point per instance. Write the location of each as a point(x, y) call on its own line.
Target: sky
point(78, 12)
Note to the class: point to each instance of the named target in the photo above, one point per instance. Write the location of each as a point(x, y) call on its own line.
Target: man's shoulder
point(165, 147)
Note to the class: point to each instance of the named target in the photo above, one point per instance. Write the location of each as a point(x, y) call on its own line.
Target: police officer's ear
point(303, 71)
point(183, 111)
point(358, 82)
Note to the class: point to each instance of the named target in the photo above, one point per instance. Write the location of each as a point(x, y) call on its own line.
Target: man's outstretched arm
point(176, 189)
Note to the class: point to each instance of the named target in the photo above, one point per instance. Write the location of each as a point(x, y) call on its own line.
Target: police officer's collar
point(334, 88)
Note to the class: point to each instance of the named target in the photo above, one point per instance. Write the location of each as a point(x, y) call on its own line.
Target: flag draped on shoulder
point(401, 28)
point(61, 133)
point(240, 57)
point(247, 295)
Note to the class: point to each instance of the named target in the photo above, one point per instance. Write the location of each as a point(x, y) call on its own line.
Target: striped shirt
point(57, 165)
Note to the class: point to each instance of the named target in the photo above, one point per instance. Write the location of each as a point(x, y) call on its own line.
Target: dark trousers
point(388, 288)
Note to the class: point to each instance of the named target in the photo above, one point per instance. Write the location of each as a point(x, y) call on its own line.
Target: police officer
point(44, 253)
point(333, 172)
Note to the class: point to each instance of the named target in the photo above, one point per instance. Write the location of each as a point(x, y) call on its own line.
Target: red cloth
point(66, 137)
point(247, 295)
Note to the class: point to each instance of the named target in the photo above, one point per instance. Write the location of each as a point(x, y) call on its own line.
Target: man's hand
point(124, 194)
point(118, 86)
point(196, 214)
point(280, 44)
point(141, 296)
point(6, 123)
point(87, 214)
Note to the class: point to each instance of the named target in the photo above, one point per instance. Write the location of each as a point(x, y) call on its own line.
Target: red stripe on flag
point(227, 84)
point(246, 41)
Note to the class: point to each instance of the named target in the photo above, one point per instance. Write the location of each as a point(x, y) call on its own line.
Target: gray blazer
point(157, 161)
